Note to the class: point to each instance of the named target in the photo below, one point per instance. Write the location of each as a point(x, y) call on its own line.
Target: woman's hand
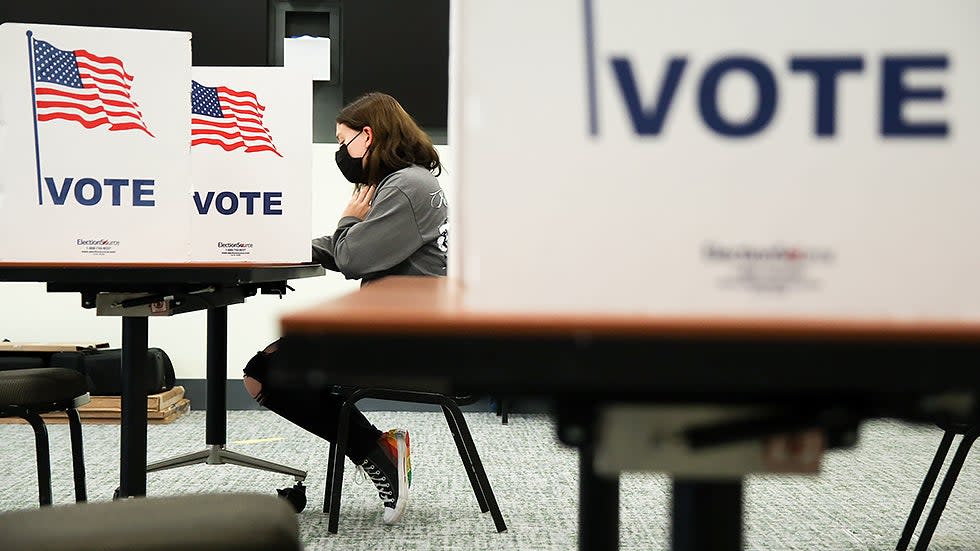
point(360, 202)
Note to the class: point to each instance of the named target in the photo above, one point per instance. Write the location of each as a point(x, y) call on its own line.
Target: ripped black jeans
point(314, 410)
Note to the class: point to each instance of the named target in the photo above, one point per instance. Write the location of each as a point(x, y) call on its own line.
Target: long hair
point(398, 141)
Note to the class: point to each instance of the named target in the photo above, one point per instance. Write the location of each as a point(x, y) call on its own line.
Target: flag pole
point(37, 149)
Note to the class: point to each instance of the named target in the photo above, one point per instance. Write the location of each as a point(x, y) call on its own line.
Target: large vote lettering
point(894, 93)
point(230, 202)
point(89, 192)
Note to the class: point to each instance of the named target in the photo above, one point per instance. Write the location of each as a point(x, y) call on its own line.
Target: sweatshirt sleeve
point(388, 236)
point(323, 251)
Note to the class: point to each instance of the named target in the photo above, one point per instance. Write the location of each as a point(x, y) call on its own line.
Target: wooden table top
point(431, 306)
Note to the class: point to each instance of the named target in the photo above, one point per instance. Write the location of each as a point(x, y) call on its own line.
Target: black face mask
point(351, 168)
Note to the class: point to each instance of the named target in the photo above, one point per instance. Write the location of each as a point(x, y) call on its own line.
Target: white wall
point(32, 314)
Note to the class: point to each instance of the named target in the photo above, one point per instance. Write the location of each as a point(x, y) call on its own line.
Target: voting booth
point(252, 161)
point(113, 152)
point(698, 159)
point(96, 164)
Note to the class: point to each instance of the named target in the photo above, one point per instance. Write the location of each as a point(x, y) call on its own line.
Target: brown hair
point(398, 141)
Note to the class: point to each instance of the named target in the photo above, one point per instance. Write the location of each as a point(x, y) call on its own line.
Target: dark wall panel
point(396, 46)
point(226, 32)
point(402, 48)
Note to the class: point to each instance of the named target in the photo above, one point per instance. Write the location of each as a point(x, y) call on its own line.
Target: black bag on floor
point(20, 361)
point(104, 369)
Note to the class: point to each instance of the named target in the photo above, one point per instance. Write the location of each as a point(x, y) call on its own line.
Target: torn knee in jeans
point(256, 372)
point(253, 387)
point(257, 367)
point(271, 348)
point(255, 375)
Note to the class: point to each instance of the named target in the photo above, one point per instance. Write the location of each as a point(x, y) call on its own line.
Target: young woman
point(395, 224)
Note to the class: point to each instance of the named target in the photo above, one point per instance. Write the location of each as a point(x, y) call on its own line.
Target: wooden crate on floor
point(30, 347)
point(154, 402)
point(161, 409)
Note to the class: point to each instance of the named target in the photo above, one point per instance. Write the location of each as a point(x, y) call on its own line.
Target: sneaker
point(389, 466)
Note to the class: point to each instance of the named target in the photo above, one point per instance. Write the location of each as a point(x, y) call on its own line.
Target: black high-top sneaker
point(389, 466)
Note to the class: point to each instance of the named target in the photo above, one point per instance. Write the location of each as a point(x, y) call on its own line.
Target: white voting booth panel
point(252, 162)
point(94, 156)
point(755, 158)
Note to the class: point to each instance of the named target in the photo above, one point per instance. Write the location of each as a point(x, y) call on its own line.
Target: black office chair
point(457, 425)
point(27, 393)
point(970, 433)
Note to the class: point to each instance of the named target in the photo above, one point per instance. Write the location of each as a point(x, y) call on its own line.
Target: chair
point(214, 522)
point(457, 425)
point(503, 409)
point(27, 393)
point(970, 433)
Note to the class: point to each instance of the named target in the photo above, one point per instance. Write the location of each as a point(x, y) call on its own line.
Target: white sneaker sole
point(392, 516)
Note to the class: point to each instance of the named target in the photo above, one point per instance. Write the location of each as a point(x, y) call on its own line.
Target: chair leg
point(923, 496)
point(481, 474)
point(504, 410)
point(328, 487)
point(465, 457)
point(43, 457)
point(77, 456)
point(337, 480)
point(946, 489)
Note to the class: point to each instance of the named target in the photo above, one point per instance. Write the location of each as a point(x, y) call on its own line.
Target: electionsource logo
point(235, 248)
point(96, 242)
point(97, 247)
point(773, 268)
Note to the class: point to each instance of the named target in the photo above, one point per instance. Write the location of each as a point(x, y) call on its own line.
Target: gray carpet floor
point(858, 502)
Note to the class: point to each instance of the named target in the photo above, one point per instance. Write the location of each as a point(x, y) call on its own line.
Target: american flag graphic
point(229, 119)
point(85, 88)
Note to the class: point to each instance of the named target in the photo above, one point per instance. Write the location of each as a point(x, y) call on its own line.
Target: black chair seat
point(233, 522)
point(27, 387)
point(27, 393)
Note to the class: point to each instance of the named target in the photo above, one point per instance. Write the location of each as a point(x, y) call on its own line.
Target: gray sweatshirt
point(404, 233)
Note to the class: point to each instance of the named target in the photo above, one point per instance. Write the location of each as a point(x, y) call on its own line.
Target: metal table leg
point(707, 515)
point(216, 423)
point(217, 373)
point(132, 450)
point(598, 517)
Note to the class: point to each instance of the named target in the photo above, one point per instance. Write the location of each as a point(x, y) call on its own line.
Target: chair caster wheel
point(115, 494)
point(296, 496)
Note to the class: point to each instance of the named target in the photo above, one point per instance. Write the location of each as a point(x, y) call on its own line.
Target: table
point(137, 291)
point(724, 386)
